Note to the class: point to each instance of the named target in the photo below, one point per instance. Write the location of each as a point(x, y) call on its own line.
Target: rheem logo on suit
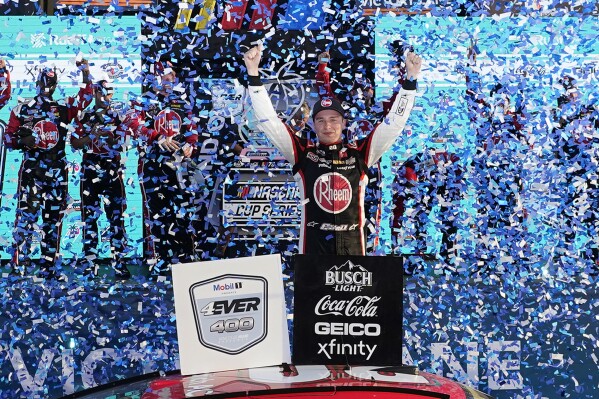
point(332, 192)
point(230, 312)
point(46, 134)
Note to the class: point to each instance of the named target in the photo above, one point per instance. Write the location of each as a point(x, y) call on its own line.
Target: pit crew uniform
point(5, 87)
point(577, 151)
point(501, 146)
point(42, 188)
point(332, 178)
point(429, 179)
point(165, 187)
point(102, 176)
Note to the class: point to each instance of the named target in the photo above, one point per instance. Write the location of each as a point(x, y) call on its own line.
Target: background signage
point(230, 314)
point(344, 313)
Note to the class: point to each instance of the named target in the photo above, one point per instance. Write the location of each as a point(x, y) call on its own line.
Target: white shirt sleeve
point(269, 122)
point(385, 134)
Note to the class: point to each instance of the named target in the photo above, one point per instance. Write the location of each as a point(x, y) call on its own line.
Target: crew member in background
point(168, 201)
point(501, 146)
point(39, 128)
point(331, 173)
point(103, 140)
point(426, 180)
point(576, 143)
point(5, 87)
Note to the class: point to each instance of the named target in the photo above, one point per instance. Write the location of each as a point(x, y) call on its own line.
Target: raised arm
point(385, 133)
point(268, 120)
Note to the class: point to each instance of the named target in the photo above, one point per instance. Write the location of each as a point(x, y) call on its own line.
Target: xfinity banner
point(230, 314)
point(348, 310)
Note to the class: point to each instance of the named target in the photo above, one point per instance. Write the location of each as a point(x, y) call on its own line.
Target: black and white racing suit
point(332, 178)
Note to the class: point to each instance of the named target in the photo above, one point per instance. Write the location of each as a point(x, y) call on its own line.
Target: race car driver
point(331, 174)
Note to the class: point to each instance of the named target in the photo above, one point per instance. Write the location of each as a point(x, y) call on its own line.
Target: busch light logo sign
point(230, 312)
point(348, 277)
point(348, 310)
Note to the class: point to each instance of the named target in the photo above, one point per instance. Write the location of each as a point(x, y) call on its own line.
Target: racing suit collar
point(331, 147)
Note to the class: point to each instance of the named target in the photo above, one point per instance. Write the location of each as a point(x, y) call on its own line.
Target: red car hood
point(308, 381)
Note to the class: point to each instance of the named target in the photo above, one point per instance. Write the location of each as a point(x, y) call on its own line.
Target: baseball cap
point(327, 103)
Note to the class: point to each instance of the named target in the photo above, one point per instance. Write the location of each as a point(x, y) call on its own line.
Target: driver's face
point(328, 126)
point(167, 82)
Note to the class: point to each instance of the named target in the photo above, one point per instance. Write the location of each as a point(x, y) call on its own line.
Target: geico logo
point(353, 329)
point(240, 305)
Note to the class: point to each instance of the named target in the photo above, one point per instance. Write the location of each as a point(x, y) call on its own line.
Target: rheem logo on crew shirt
point(332, 192)
point(46, 133)
point(168, 123)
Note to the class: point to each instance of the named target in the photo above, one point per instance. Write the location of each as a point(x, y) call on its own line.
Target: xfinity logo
point(348, 277)
point(226, 287)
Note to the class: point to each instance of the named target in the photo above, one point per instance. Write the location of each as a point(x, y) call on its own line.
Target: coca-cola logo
point(332, 192)
point(168, 123)
point(46, 133)
point(359, 306)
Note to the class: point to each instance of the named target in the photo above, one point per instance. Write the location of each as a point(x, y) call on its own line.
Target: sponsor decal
point(343, 313)
point(46, 134)
point(326, 102)
point(348, 274)
point(346, 161)
point(338, 227)
point(113, 70)
point(402, 106)
point(236, 319)
point(360, 306)
point(168, 123)
point(332, 192)
point(312, 157)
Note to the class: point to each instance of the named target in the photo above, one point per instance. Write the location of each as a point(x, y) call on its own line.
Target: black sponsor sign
point(348, 310)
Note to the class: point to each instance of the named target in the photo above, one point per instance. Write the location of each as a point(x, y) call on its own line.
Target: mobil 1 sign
point(230, 314)
point(348, 310)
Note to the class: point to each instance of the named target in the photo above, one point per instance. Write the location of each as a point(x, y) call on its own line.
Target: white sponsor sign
point(230, 314)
